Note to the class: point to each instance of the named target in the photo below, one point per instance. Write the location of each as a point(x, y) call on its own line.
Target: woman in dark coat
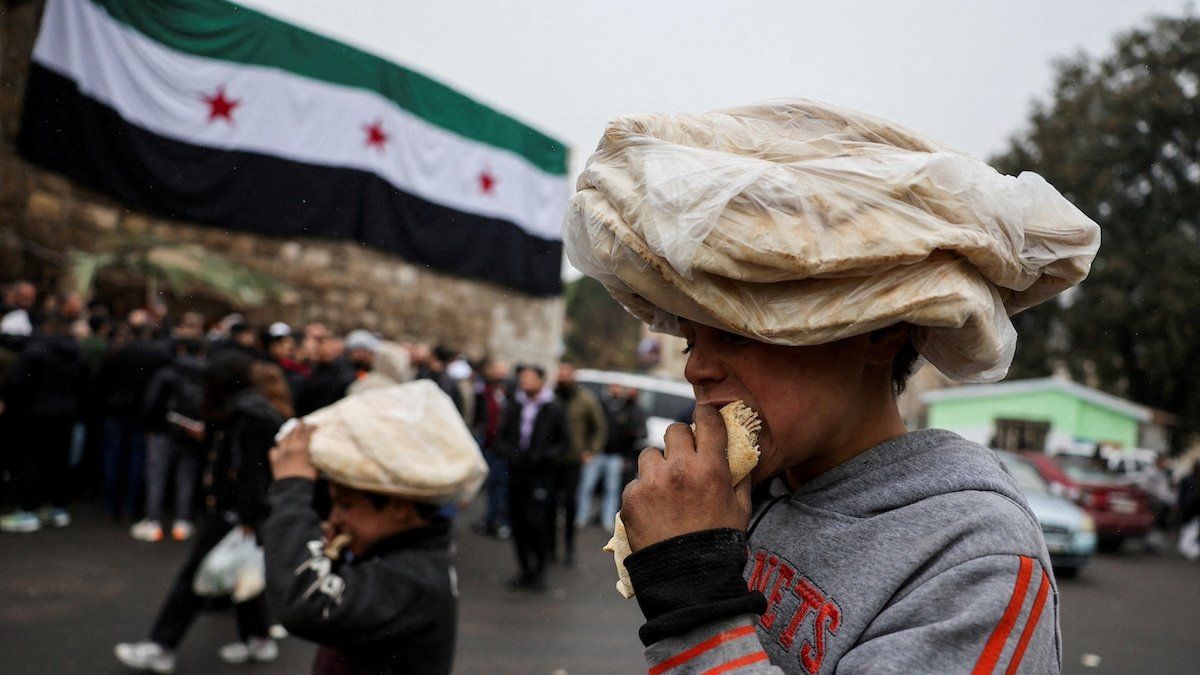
point(241, 425)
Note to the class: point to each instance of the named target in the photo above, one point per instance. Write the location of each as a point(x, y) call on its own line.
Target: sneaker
point(145, 656)
point(147, 530)
point(182, 530)
point(277, 632)
point(504, 533)
point(20, 521)
point(55, 517)
point(259, 650)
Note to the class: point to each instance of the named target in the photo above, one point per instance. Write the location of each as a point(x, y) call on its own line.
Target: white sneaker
point(145, 655)
point(147, 530)
point(259, 650)
point(20, 521)
point(278, 632)
point(56, 517)
point(182, 530)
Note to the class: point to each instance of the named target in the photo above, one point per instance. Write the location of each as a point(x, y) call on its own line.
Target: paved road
point(66, 596)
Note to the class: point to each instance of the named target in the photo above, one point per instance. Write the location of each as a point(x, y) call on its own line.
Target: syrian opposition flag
point(205, 111)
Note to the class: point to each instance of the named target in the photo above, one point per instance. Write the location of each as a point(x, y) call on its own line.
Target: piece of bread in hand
point(741, 427)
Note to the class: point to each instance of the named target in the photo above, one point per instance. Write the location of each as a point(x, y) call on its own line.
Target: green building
point(1052, 414)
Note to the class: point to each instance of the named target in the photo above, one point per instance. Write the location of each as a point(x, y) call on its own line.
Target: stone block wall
point(342, 284)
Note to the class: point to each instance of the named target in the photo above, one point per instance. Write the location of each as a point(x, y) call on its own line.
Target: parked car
point(1121, 510)
point(1069, 531)
point(665, 401)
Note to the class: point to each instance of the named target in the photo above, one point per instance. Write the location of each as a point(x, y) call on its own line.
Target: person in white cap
point(810, 255)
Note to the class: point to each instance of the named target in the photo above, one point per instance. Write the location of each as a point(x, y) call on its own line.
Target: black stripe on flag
point(67, 132)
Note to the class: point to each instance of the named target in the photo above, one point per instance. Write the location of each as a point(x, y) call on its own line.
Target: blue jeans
point(610, 466)
point(496, 485)
point(124, 467)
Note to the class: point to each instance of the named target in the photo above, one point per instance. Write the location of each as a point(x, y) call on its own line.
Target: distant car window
point(1081, 470)
point(671, 407)
point(1027, 477)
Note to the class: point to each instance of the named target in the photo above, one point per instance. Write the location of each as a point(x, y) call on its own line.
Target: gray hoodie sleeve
point(993, 614)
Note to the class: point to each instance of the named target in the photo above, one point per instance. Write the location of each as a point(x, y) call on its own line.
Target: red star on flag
point(219, 106)
point(376, 136)
point(487, 182)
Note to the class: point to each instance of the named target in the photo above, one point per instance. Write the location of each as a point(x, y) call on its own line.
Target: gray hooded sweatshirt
point(919, 555)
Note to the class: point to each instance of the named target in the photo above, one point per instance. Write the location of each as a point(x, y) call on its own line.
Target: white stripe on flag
point(285, 115)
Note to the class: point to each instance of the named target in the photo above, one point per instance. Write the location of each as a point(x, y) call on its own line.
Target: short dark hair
point(541, 372)
point(379, 500)
point(904, 365)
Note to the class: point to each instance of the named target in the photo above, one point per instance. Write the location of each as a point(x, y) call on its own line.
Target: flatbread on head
point(741, 428)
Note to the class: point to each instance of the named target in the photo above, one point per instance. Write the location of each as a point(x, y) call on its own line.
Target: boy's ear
point(885, 343)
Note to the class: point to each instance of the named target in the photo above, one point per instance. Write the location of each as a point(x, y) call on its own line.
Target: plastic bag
point(798, 223)
point(235, 567)
point(408, 440)
point(1189, 539)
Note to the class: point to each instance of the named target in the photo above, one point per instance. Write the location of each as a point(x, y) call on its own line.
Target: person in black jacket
point(389, 603)
point(174, 440)
point(330, 376)
point(121, 384)
point(42, 395)
point(240, 424)
point(532, 436)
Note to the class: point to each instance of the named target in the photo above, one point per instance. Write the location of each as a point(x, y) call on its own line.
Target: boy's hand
point(291, 459)
point(686, 488)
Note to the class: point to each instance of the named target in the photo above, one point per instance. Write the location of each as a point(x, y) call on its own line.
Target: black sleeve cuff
point(691, 580)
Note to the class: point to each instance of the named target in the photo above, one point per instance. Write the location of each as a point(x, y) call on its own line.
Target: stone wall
point(347, 286)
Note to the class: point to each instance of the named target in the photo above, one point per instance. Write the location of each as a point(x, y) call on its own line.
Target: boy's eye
point(688, 348)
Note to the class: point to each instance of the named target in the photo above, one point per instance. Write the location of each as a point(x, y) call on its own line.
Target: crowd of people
point(118, 408)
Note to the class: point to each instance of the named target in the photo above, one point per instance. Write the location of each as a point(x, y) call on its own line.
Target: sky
point(964, 72)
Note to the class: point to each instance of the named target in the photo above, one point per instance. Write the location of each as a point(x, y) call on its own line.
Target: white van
point(665, 401)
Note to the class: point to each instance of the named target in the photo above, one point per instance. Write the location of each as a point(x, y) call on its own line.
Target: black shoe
point(569, 558)
point(537, 584)
point(520, 582)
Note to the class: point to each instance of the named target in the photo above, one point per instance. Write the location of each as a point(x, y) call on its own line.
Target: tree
point(599, 332)
point(1121, 139)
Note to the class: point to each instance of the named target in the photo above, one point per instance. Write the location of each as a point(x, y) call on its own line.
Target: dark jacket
point(325, 386)
point(547, 443)
point(239, 469)
point(46, 381)
point(395, 610)
point(626, 427)
point(177, 388)
point(587, 425)
point(124, 376)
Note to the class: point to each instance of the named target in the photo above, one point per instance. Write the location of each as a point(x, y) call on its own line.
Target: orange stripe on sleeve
point(1030, 625)
point(995, 644)
point(688, 655)
point(737, 663)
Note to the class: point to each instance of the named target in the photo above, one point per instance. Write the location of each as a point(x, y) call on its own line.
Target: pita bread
point(407, 440)
point(799, 223)
point(741, 426)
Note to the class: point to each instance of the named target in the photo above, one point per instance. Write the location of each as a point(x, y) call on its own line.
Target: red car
point(1120, 510)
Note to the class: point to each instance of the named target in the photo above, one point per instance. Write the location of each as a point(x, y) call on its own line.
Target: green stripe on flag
point(221, 30)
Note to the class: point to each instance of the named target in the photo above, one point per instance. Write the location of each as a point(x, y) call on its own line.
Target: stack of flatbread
point(798, 223)
point(407, 440)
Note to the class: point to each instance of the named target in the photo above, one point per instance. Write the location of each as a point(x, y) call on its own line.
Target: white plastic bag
point(1189, 539)
point(235, 566)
